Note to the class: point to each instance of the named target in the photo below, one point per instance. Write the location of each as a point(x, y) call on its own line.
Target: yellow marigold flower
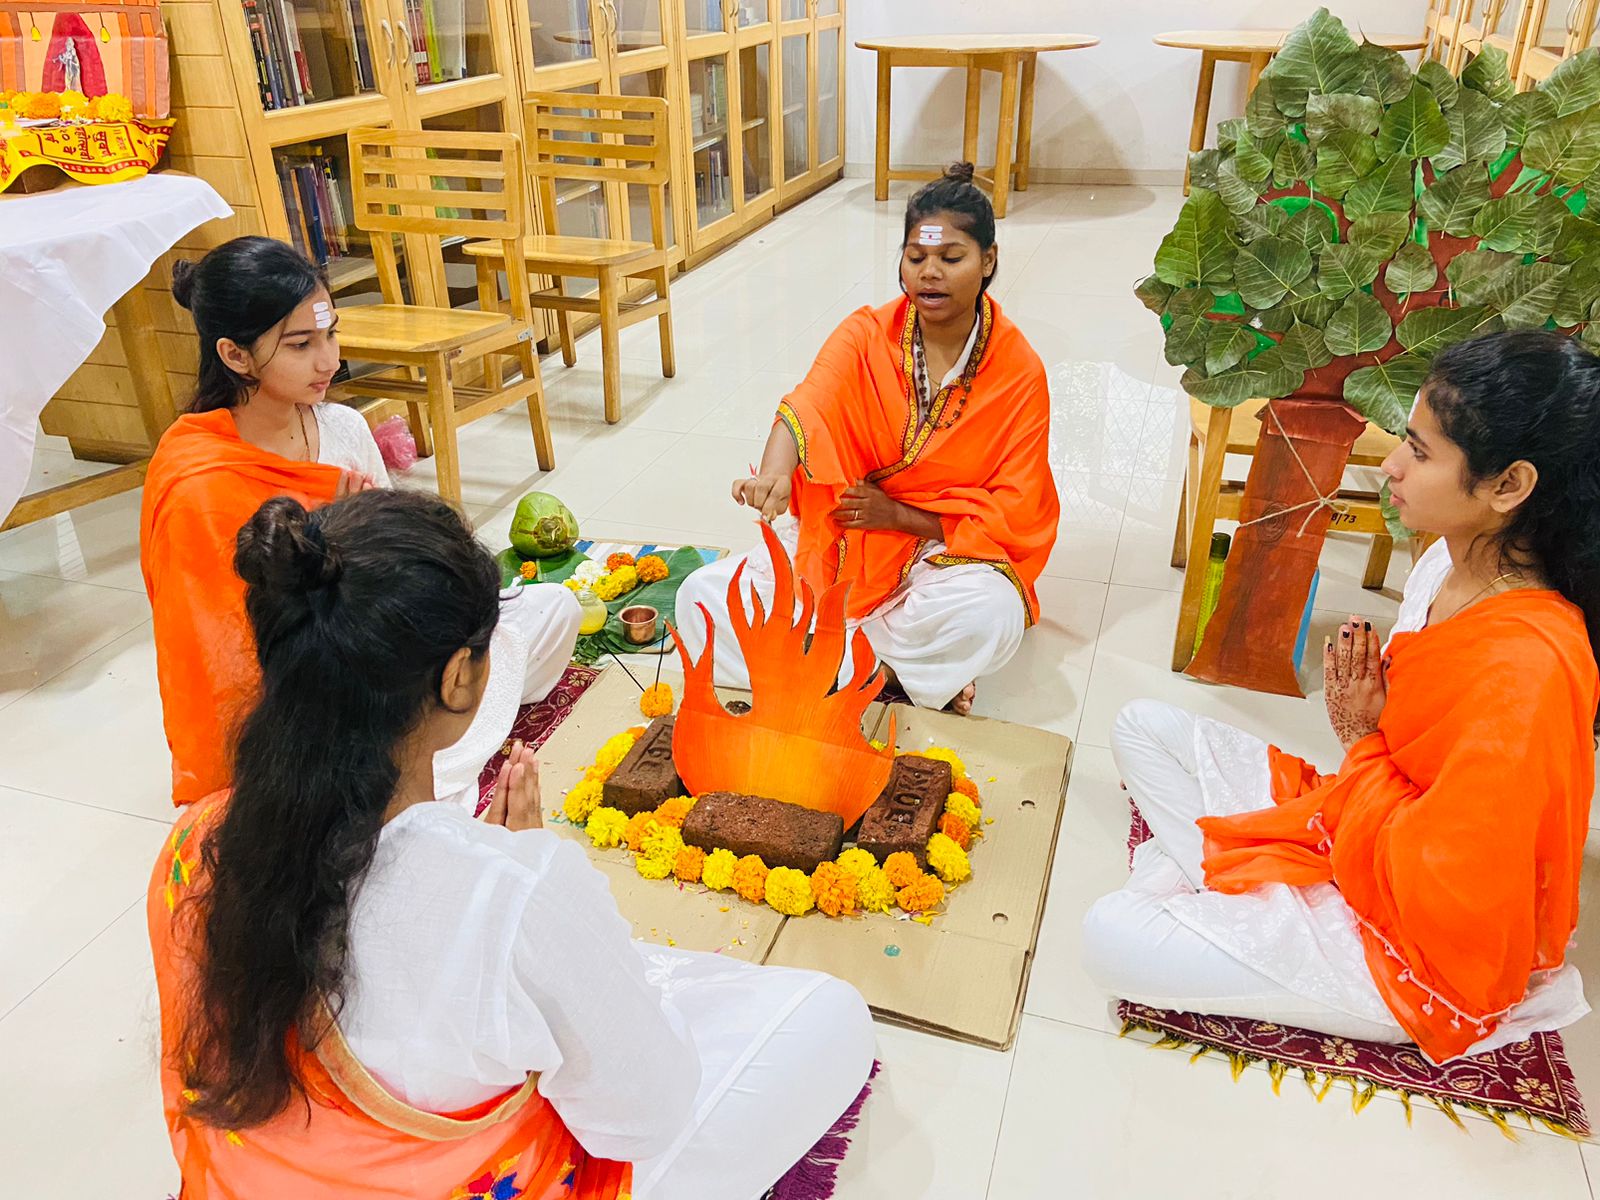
point(672, 812)
point(662, 842)
point(616, 749)
point(958, 769)
point(652, 868)
point(924, 894)
point(968, 788)
point(582, 800)
point(652, 568)
point(750, 878)
point(856, 862)
point(638, 825)
point(656, 700)
point(6, 94)
point(718, 871)
point(947, 859)
point(834, 889)
point(112, 107)
point(76, 101)
point(598, 774)
point(958, 805)
point(874, 892)
point(43, 106)
point(691, 862)
point(901, 868)
point(620, 559)
point(606, 827)
point(789, 891)
point(957, 830)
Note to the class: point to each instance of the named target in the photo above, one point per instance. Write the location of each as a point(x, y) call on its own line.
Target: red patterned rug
point(1529, 1079)
point(535, 723)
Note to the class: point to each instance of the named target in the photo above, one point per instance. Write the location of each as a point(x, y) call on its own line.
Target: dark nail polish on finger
point(1368, 624)
point(1344, 633)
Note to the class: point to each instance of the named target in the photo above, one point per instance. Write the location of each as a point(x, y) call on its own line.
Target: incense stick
point(625, 670)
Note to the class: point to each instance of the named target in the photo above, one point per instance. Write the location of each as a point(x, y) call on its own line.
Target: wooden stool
point(1254, 47)
point(1015, 58)
point(1215, 433)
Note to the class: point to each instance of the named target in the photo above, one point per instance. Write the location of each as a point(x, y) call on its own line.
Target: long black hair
point(239, 291)
point(1532, 396)
point(956, 194)
point(357, 608)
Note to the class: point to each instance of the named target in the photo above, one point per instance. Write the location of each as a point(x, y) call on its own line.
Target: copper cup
point(639, 624)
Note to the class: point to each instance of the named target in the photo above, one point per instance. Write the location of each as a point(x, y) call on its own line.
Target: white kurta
point(531, 646)
point(943, 629)
point(478, 955)
point(1292, 954)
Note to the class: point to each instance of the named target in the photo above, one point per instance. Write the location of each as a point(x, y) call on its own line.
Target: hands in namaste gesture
point(1353, 680)
point(515, 802)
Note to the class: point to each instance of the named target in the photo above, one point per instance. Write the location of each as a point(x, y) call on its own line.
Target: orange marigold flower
point(43, 106)
point(529, 570)
point(901, 868)
point(672, 812)
point(620, 559)
point(750, 879)
point(691, 861)
point(652, 568)
point(640, 825)
point(834, 888)
point(967, 788)
point(923, 894)
point(656, 700)
point(598, 773)
point(957, 830)
point(635, 732)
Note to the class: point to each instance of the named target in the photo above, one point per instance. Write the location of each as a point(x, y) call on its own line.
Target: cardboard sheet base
point(963, 976)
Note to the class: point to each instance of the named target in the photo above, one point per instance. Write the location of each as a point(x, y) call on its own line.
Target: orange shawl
point(204, 483)
point(1455, 833)
point(982, 465)
point(350, 1139)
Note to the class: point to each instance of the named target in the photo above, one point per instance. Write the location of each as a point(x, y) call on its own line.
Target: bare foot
point(962, 704)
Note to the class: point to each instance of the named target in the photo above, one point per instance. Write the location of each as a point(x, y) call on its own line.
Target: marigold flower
point(652, 868)
point(958, 769)
point(969, 788)
point(606, 827)
point(957, 830)
point(691, 863)
point(958, 805)
point(582, 800)
point(672, 812)
point(529, 571)
point(901, 868)
point(834, 889)
point(922, 895)
point(857, 862)
point(719, 870)
point(652, 568)
point(638, 825)
point(42, 106)
point(112, 107)
point(750, 878)
point(656, 700)
point(663, 842)
point(947, 859)
point(620, 559)
point(789, 891)
point(874, 892)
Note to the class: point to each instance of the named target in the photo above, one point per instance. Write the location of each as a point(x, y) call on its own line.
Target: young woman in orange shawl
point(367, 993)
point(915, 457)
point(259, 427)
point(1428, 890)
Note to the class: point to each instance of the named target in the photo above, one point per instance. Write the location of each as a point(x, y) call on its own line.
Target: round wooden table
point(1015, 58)
point(1253, 46)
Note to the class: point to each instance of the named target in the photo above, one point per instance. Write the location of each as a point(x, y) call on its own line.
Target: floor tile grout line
point(120, 812)
point(1005, 1104)
point(54, 578)
point(78, 662)
point(70, 958)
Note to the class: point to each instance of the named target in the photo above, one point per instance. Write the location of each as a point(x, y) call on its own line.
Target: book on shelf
point(316, 204)
point(295, 62)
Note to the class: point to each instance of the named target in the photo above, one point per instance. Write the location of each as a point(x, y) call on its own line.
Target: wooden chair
point(625, 142)
point(1445, 25)
point(406, 184)
point(1215, 433)
point(1541, 55)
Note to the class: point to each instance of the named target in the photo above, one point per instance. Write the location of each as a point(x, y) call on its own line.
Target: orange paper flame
point(801, 741)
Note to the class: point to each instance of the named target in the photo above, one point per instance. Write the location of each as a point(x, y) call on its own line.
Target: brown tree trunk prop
point(1300, 457)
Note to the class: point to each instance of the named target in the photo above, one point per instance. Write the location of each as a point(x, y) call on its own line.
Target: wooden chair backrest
point(625, 141)
point(426, 186)
point(1508, 35)
point(1539, 60)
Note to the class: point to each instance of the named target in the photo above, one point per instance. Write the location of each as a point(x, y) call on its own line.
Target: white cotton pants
point(1134, 948)
point(945, 628)
point(529, 650)
point(783, 1053)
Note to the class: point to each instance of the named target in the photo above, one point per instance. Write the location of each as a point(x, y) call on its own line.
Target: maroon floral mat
point(1529, 1079)
point(535, 723)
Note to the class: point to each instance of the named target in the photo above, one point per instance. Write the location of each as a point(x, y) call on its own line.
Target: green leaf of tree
point(1476, 133)
point(1343, 157)
point(1387, 189)
point(1507, 222)
point(1384, 393)
point(1189, 331)
point(1203, 168)
point(1229, 132)
point(1227, 344)
point(1265, 270)
point(1251, 160)
point(1575, 83)
point(1200, 248)
point(1344, 267)
point(1263, 220)
point(1489, 74)
point(1154, 293)
point(1589, 335)
point(1525, 112)
point(1467, 271)
point(1261, 113)
point(1316, 310)
point(1329, 114)
point(1382, 233)
point(1579, 290)
point(1523, 294)
point(1452, 202)
point(1384, 74)
point(1319, 55)
point(1413, 127)
point(1264, 376)
point(1429, 330)
point(1294, 161)
point(1238, 195)
point(1568, 148)
point(1578, 238)
point(1436, 77)
point(1411, 270)
point(1311, 227)
point(1303, 348)
point(1360, 325)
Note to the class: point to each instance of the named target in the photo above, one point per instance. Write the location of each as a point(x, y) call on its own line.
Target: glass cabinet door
point(796, 117)
point(753, 12)
point(309, 51)
point(710, 144)
point(705, 16)
point(794, 10)
point(828, 147)
point(635, 200)
point(755, 111)
point(445, 40)
point(565, 31)
point(637, 25)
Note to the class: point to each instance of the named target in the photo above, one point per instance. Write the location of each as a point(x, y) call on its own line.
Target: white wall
point(1118, 112)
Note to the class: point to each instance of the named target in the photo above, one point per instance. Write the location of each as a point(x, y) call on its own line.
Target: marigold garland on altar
point(652, 568)
point(750, 878)
point(620, 559)
point(789, 891)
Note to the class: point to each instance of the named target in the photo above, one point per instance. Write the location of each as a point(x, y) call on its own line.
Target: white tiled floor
point(1070, 1110)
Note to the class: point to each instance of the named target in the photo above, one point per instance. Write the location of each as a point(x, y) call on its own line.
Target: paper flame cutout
point(801, 741)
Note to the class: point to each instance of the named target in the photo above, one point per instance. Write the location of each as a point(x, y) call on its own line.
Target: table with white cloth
point(66, 256)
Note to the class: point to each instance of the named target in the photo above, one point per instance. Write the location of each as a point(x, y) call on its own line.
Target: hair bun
point(280, 548)
point(961, 172)
point(183, 273)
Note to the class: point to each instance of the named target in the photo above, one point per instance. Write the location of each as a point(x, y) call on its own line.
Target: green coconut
point(543, 527)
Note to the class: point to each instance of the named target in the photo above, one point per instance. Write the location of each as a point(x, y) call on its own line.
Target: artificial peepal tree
point(1358, 219)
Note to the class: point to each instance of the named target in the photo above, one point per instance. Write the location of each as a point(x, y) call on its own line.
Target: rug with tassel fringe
point(1529, 1079)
